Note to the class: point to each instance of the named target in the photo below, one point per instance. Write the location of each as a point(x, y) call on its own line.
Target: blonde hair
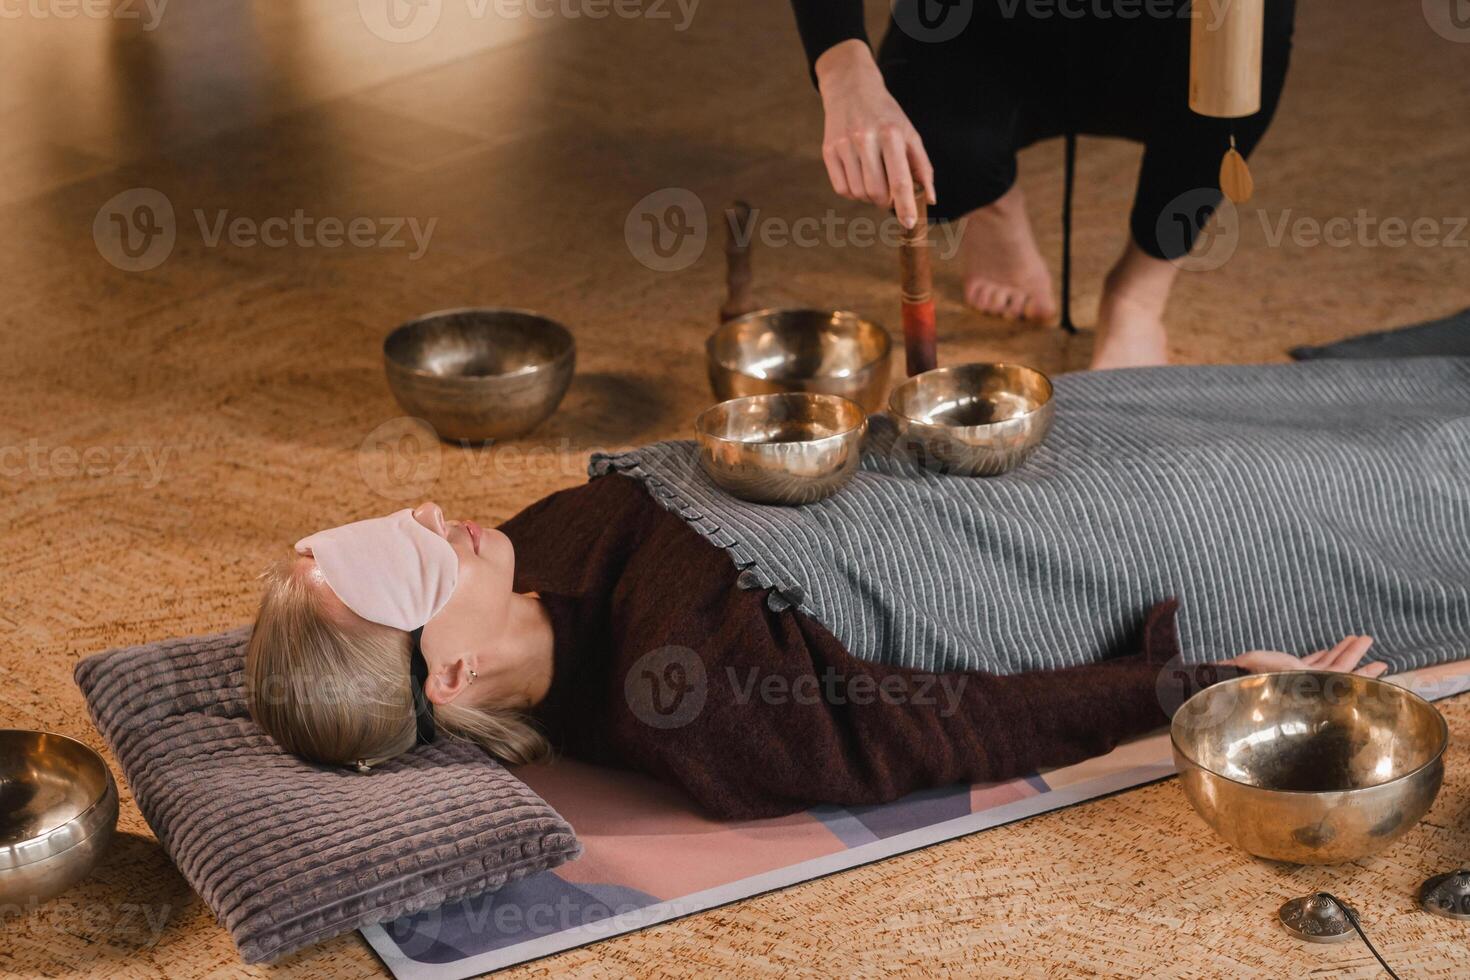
point(340, 694)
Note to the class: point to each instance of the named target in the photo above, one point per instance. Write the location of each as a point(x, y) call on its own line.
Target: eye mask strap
point(418, 673)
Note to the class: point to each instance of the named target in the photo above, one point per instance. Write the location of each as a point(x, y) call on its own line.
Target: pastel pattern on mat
point(648, 857)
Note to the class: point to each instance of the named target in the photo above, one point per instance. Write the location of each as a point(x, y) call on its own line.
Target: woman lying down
point(598, 623)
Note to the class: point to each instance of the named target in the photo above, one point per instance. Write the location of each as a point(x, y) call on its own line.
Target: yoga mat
point(650, 857)
point(1449, 337)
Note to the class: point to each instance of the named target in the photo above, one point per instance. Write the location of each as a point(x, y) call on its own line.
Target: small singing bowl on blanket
point(824, 351)
point(1309, 767)
point(58, 809)
point(480, 374)
point(974, 419)
point(792, 448)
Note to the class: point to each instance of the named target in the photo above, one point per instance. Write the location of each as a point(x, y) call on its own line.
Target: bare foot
point(1004, 273)
point(1130, 322)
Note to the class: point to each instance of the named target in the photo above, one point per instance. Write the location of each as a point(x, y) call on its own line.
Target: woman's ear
point(446, 683)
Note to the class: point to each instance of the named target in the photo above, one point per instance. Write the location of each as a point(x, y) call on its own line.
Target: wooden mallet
point(918, 293)
point(739, 298)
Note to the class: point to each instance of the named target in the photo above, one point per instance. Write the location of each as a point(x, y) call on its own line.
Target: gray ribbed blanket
point(1285, 505)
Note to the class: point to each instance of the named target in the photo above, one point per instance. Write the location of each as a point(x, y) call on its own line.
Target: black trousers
point(1021, 72)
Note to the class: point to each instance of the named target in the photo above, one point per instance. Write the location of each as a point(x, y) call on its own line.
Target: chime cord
point(1352, 918)
point(1069, 178)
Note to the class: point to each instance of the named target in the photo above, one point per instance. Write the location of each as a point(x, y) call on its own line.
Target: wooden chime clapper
point(1225, 78)
point(738, 277)
point(918, 293)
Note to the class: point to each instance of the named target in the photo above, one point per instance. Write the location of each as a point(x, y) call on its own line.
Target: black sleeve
point(823, 23)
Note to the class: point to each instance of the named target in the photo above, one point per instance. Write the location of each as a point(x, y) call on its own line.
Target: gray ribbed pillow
point(287, 853)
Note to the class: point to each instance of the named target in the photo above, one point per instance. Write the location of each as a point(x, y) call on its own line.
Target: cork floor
point(167, 431)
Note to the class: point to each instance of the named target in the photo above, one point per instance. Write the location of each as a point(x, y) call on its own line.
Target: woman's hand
point(872, 151)
point(1344, 657)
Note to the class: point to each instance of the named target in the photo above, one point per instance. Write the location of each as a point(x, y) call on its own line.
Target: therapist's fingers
point(853, 167)
point(875, 177)
point(1373, 669)
point(836, 172)
point(900, 180)
point(920, 166)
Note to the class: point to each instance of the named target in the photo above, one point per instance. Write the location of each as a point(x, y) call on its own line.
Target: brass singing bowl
point(480, 374)
point(824, 351)
point(58, 809)
point(974, 419)
point(792, 448)
point(1309, 766)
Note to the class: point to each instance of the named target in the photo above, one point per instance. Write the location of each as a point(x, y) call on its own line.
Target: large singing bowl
point(1309, 767)
point(792, 448)
point(480, 374)
point(828, 352)
point(58, 808)
point(973, 419)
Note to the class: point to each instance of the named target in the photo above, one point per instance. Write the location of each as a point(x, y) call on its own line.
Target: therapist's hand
point(872, 151)
point(1343, 658)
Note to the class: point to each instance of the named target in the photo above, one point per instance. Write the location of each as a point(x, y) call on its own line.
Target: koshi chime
point(1225, 45)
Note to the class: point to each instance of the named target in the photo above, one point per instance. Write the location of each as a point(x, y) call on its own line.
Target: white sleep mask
point(390, 570)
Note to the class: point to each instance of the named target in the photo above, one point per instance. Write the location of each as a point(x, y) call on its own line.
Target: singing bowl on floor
point(480, 374)
point(792, 448)
point(975, 419)
point(58, 809)
point(824, 351)
point(1308, 766)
